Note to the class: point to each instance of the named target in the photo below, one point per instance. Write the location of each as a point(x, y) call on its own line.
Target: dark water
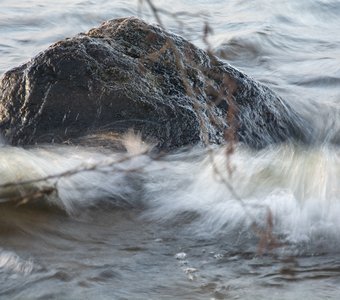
point(143, 228)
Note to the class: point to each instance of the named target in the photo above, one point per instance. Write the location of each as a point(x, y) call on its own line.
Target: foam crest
point(9, 261)
point(297, 186)
point(68, 177)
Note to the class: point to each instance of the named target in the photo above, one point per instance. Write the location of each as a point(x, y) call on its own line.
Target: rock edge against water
point(129, 74)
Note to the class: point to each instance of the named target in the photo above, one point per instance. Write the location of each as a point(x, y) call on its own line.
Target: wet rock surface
point(127, 74)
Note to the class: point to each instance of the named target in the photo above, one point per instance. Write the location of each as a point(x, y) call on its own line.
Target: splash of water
point(297, 185)
point(9, 261)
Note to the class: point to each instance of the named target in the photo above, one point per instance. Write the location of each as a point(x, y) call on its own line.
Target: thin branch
point(68, 173)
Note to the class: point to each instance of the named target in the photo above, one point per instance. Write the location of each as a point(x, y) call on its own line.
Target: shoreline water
point(171, 228)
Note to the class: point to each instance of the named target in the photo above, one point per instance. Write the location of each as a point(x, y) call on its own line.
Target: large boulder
point(130, 74)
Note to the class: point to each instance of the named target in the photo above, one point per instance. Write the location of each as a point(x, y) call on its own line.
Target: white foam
point(9, 261)
point(298, 186)
point(80, 177)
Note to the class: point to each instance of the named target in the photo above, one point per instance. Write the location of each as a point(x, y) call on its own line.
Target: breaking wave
point(291, 189)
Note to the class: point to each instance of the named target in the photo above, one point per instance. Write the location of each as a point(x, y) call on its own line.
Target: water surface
point(181, 226)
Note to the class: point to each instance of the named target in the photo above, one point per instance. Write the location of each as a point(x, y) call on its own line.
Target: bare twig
point(46, 191)
point(155, 11)
point(225, 93)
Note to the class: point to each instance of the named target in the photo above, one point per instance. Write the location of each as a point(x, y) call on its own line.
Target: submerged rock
point(129, 74)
